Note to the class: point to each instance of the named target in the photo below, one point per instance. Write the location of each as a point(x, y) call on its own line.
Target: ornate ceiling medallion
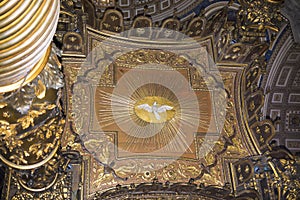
point(137, 101)
point(146, 107)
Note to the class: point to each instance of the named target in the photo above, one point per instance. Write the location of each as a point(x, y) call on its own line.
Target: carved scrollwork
point(21, 148)
point(30, 138)
point(258, 16)
point(172, 190)
point(141, 57)
point(31, 120)
point(272, 175)
point(51, 181)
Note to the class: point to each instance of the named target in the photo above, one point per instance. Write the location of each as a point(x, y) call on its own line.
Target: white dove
point(155, 109)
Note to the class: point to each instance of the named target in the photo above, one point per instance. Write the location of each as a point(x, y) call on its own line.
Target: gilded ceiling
point(146, 99)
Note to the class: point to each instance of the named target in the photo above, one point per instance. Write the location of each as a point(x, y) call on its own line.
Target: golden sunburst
point(138, 129)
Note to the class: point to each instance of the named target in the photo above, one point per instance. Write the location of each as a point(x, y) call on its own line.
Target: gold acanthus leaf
point(28, 120)
point(7, 130)
point(37, 150)
point(40, 90)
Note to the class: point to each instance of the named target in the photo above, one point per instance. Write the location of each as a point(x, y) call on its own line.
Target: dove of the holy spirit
point(155, 109)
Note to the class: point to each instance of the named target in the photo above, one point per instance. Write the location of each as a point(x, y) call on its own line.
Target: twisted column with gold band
point(31, 82)
point(26, 31)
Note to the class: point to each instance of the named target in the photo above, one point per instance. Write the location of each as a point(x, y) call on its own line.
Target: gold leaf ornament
point(28, 120)
point(37, 150)
point(40, 90)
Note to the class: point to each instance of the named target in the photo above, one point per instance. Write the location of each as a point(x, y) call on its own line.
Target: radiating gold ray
point(120, 107)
